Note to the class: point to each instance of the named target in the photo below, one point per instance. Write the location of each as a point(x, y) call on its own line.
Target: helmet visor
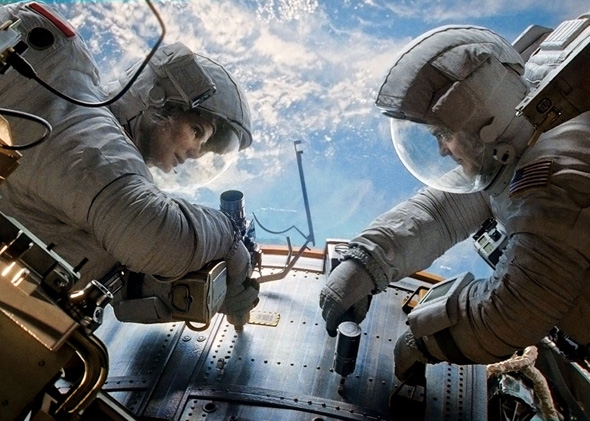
point(218, 154)
point(453, 162)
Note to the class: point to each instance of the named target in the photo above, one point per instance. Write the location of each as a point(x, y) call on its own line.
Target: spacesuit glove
point(346, 295)
point(242, 291)
point(408, 359)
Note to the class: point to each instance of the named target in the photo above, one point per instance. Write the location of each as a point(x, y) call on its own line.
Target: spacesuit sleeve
point(150, 232)
point(533, 288)
point(413, 234)
point(540, 282)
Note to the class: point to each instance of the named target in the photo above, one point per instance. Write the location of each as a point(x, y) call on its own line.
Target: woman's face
point(462, 148)
point(178, 139)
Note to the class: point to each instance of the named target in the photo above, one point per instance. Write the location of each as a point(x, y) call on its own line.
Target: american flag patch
point(533, 175)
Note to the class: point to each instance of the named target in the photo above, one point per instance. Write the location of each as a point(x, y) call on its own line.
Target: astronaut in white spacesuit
point(451, 96)
point(87, 188)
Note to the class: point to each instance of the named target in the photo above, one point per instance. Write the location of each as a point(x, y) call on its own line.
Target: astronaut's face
point(462, 147)
point(180, 138)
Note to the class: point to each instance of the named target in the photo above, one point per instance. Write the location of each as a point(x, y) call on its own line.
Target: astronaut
point(451, 96)
point(87, 188)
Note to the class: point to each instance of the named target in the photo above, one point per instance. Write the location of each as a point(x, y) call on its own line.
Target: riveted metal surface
point(265, 372)
point(456, 392)
point(138, 355)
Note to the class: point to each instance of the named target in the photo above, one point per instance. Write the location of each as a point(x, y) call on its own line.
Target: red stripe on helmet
point(63, 26)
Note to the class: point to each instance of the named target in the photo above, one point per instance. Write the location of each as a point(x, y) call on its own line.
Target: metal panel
point(138, 354)
point(264, 372)
point(456, 393)
point(27, 367)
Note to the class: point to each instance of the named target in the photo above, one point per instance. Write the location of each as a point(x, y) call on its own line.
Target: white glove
point(407, 357)
point(346, 295)
point(242, 291)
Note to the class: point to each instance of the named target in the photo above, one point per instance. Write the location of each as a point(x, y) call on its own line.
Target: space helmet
point(451, 96)
point(179, 79)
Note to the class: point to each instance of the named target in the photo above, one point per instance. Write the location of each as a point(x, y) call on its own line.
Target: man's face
point(462, 147)
point(179, 139)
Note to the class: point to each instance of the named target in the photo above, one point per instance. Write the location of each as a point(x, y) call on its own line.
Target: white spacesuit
point(462, 82)
point(87, 188)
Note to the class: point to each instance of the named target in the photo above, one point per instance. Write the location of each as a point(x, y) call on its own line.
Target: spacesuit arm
point(412, 235)
point(150, 232)
point(535, 285)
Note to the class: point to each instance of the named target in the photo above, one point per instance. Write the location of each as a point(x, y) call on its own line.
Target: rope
point(525, 365)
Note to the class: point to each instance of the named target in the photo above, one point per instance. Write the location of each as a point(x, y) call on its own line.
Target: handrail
point(95, 356)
